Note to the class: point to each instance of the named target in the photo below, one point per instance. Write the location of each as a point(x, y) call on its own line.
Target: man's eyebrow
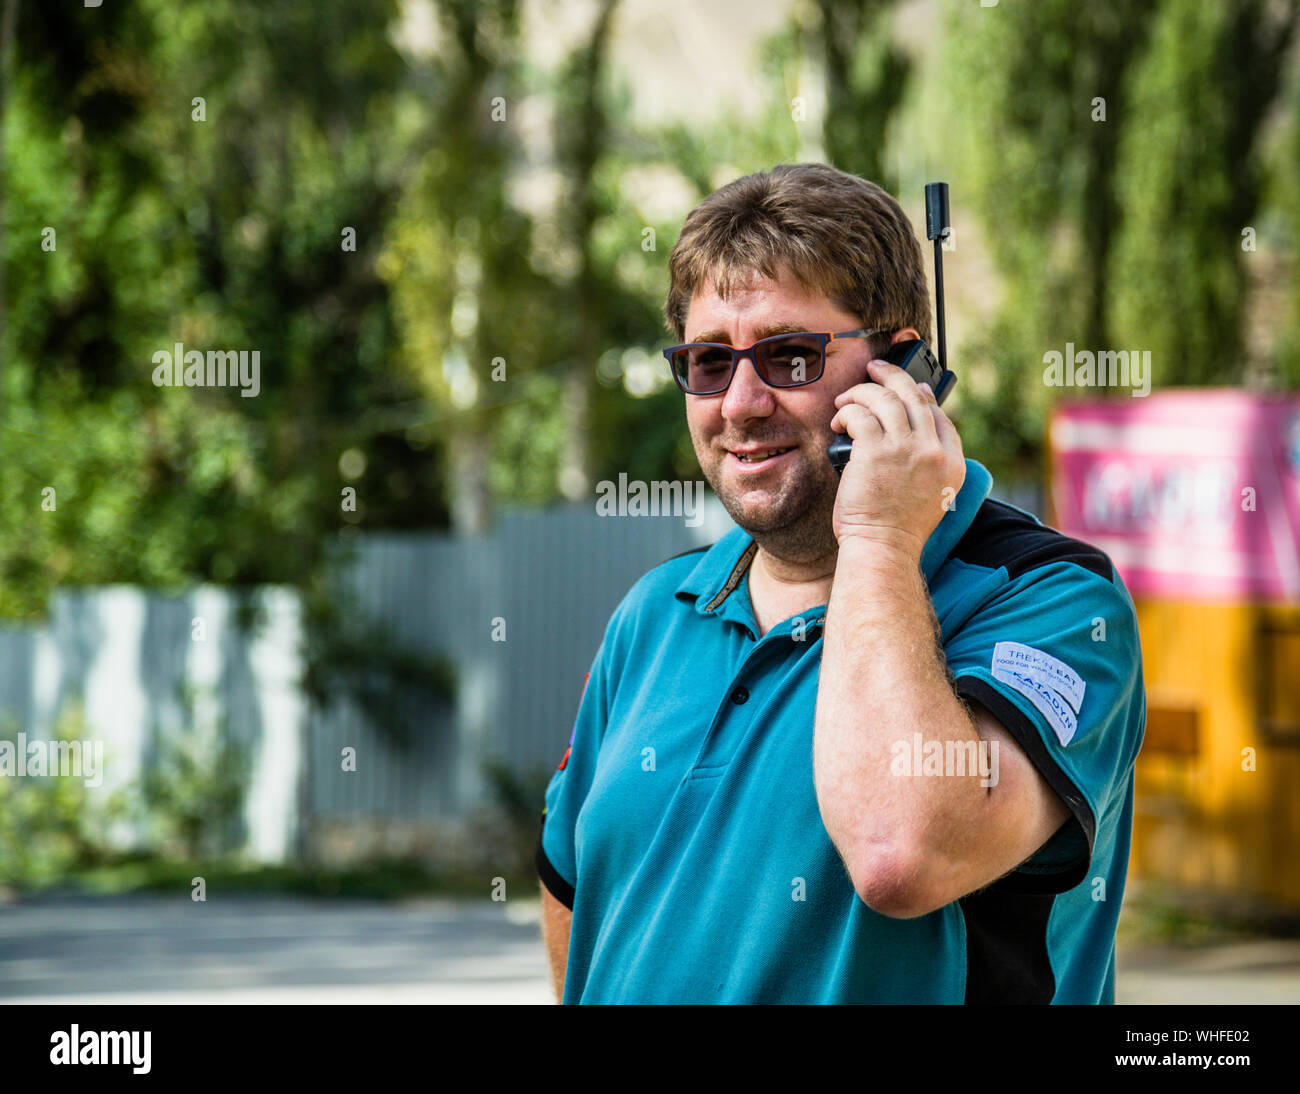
point(722, 336)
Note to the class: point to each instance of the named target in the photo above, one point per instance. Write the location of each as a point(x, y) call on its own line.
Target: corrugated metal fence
point(144, 665)
point(518, 613)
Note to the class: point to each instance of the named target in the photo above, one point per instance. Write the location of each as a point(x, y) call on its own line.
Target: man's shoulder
point(684, 554)
point(663, 579)
point(1003, 536)
point(649, 597)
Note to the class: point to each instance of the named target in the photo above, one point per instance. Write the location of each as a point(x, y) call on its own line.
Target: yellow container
point(1195, 495)
point(1217, 798)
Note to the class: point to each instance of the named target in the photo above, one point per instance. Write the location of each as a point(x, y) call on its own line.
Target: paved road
point(1261, 971)
point(253, 949)
point(258, 949)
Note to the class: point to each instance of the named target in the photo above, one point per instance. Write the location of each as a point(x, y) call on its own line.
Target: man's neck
point(796, 573)
point(782, 587)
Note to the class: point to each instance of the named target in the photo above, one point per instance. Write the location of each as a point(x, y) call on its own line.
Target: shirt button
point(740, 695)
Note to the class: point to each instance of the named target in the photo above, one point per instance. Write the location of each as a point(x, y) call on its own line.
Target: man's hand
point(907, 464)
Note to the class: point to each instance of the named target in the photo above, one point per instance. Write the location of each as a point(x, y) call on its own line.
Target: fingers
point(857, 421)
point(894, 398)
point(948, 438)
point(919, 409)
point(945, 430)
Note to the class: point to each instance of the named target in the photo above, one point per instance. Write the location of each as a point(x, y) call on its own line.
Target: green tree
point(866, 79)
point(1112, 155)
point(218, 224)
point(1189, 178)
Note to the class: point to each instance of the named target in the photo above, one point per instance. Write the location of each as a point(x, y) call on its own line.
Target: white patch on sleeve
point(1050, 684)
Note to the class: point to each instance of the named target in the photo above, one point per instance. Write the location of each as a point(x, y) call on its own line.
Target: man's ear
point(907, 334)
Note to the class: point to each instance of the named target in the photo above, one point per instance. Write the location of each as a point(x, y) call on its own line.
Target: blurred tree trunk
point(1178, 277)
point(8, 19)
point(866, 76)
point(473, 193)
point(581, 141)
point(1115, 42)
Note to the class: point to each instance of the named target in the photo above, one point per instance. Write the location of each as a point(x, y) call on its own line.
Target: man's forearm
point(883, 680)
point(557, 922)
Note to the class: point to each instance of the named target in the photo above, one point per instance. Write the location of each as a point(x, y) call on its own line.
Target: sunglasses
point(784, 360)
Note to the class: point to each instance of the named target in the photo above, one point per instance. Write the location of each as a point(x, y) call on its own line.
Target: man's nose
point(748, 395)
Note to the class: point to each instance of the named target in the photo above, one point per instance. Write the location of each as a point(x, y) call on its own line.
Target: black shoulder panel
point(1001, 535)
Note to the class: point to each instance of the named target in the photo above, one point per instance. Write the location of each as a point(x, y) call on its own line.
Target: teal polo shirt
point(682, 827)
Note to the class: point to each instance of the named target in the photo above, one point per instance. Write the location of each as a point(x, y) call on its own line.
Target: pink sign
point(1193, 494)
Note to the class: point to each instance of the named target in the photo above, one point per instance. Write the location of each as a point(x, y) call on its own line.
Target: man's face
point(784, 501)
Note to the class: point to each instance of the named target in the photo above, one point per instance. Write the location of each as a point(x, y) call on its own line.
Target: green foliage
point(375, 879)
point(1284, 225)
point(351, 658)
point(1189, 178)
point(470, 251)
point(225, 232)
point(53, 824)
point(1171, 915)
point(1036, 169)
point(221, 233)
point(192, 794)
point(866, 79)
point(516, 795)
point(186, 805)
point(516, 799)
point(1122, 233)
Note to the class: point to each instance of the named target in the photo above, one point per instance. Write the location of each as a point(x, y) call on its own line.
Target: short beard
point(798, 528)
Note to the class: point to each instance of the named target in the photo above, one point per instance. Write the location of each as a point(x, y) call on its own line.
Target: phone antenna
point(937, 229)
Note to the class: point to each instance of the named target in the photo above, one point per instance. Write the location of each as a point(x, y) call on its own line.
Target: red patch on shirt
point(568, 750)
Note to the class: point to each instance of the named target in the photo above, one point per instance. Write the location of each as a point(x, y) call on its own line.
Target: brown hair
point(838, 234)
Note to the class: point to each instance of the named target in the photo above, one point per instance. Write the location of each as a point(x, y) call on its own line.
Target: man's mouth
point(756, 457)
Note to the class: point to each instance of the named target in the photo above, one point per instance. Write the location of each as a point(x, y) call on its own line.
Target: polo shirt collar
point(722, 569)
point(957, 520)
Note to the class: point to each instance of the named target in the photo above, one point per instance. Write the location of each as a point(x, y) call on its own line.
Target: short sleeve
point(1055, 656)
point(556, 857)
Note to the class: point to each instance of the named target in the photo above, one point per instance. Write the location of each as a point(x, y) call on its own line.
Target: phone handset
point(914, 356)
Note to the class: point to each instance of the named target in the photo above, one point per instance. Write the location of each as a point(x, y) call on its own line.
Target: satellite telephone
point(914, 356)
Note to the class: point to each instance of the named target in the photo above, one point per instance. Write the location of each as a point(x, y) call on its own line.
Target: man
point(876, 744)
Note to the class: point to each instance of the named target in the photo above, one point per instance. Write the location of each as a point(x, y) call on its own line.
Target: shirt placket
point(742, 699)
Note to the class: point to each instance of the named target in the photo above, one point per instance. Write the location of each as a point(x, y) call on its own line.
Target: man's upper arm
point(557, 851)
point(1051, 669)
point(1033, 811)
point(557, 922)
point(556, 858)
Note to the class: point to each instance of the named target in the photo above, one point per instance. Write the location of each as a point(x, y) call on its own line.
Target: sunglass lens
point(792, 360)
point(702, 369)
